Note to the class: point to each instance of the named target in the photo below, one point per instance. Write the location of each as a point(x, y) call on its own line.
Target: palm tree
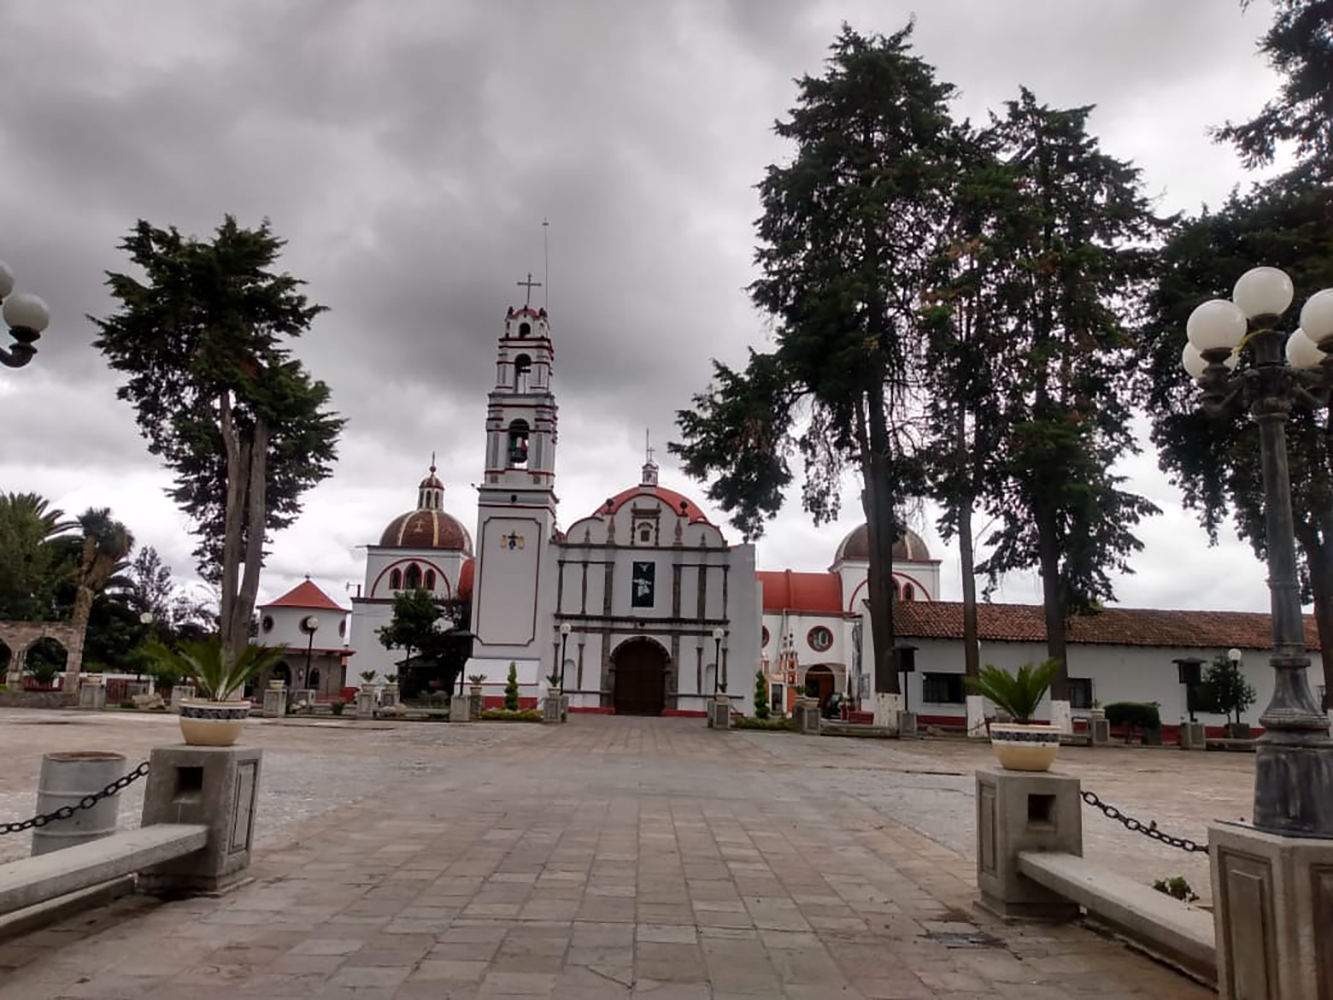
point(107, 544)
point(29, 526)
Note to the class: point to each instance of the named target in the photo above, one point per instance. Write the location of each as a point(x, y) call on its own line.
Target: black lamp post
point(718, 633)
point(309, 625)
point(25, 315)
point(1293, 785)
point(565, 629)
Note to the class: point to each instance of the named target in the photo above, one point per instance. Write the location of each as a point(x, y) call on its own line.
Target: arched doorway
point(820, 683)
point(640, 678)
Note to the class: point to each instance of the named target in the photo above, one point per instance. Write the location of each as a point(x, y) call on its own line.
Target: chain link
point(87, 802)
point(1148, 829)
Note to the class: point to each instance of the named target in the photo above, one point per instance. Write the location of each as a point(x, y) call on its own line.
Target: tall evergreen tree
point(201, 339)
point(1075, 239)
point(847, 242)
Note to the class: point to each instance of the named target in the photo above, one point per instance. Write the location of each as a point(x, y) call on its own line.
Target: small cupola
point(430, 493)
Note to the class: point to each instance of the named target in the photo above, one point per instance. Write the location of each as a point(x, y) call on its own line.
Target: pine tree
point(760, 694)
point(511, 688)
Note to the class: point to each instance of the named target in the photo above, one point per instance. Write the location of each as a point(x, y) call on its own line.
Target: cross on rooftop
point(529, 285)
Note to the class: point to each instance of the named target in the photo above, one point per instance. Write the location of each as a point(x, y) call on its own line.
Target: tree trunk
point(967, 562)
point(1319, 560)
point(232, 517)
point(881, 532)
point(1052, 594)
point(256, 487)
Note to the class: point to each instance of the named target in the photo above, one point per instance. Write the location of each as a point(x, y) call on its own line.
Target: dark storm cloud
point(409, 152)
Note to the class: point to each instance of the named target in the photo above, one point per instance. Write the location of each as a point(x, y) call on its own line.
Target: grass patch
point(774, 725)
point(511, 715)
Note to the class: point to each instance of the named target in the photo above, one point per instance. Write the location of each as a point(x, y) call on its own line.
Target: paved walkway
point(607, 858)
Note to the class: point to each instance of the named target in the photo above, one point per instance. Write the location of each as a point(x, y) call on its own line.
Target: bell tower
point(516, 506)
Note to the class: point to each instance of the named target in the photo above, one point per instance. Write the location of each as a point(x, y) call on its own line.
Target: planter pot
point(474, 690)
point(1239, 731)
point(212, 723)
point(1097, 713)
point(1025, 746)
point(96, 680)
point(276, 685)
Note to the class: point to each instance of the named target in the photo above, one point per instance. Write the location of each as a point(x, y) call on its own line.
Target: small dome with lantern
point(427, 527)
point(855, 547)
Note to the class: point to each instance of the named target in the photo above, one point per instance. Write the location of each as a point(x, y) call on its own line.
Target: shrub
point(439, 701)
point(45, 673)
point(511, 688)
point(127, 704)
point(1176, 887)
point(1017, 694)
point(336, 707)
point(512, 715)
point(1226, 689)
point(775, 725)
point(1134, 715)
point(368, 676)
point(760, 695)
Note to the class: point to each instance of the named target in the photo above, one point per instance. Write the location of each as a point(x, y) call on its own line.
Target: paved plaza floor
point(612, 857)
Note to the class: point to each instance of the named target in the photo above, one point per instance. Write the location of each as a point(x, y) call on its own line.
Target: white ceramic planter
point(1025, 746)
point(212, 723)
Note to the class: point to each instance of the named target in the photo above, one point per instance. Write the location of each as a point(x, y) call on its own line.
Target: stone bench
point(48, 876)
point(1165, 926)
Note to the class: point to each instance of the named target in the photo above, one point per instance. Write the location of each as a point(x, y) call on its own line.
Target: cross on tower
point(529, 285)
point(648, 445)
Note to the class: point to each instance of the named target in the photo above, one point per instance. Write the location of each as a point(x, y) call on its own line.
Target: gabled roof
point(676, 501)
point(1168, 629)
point(306, 596)
point(788, 591)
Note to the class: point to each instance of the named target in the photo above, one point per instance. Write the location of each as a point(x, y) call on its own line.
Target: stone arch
point(20, 637)
point(830, 678)
point(640, 673)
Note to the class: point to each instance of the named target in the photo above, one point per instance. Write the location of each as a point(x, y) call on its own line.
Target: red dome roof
point(426, 529)
point(788, 591)
point(908, 548)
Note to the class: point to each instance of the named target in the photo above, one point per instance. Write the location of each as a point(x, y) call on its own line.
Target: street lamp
point(309, 625)
point(565, 629)
point(26, 315)
point(718, 633)
point(1293, 784)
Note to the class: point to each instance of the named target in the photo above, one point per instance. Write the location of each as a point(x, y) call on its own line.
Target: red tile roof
point(306, 596)
point(1111, 626)
point(788, 591)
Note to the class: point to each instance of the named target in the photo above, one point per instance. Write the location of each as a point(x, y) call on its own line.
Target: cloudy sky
point(409, 151)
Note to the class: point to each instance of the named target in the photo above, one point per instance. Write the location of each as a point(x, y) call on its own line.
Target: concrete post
point(214, 786)
point(1193, 736)
point(92, 696)
point(275, 702)
point(1024, 811)
point(906, 724)
point(460, 708)
point(551, 708)
point(390, 696)
point(719, 713)
point(1273, 906)
point(1100, 731)
point(365, 703)
point(806, 714)
point(179, 693)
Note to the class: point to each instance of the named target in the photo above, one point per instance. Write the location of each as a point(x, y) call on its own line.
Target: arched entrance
point(820, 683)
point(640, 678)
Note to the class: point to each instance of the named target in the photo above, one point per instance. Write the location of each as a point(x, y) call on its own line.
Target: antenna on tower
point(546, 257)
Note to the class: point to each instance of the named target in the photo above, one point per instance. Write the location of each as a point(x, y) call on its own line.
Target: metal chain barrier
point(87, 802)
point(1137, 826)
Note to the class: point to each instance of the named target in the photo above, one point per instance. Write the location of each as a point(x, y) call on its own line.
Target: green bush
point(741, 722)
point(1176, 887)
point(1134, 715)
point(336, 707)
point(760, 695)
point(45, 673)
point(512, 715)
point(511, 689)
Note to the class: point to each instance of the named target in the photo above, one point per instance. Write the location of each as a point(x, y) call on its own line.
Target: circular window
point(764, 636)
point(820, 639)
point(268, 623)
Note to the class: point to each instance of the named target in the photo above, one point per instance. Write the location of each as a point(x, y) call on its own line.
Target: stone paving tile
point(586, 861)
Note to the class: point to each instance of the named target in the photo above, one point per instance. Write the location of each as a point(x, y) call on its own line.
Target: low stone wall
point(38, 699)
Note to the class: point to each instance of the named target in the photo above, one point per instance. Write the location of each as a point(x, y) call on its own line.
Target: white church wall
point(286, 627)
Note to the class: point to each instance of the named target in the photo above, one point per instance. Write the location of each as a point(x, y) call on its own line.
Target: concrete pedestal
point(906, 723)
point(1273, 907)
point(1100, 732)
point(214, 786)
point(275, 703)
point(365, 704)
point(806, 716)
point(179, 693)
point(886, 708)
point(976, 717)
point(476, 699)
point(1024, 811)
point(460, 708)
point(719, 713)
point(92, 696)
point(389, 696)
point(551, 706)
point(1193, 736)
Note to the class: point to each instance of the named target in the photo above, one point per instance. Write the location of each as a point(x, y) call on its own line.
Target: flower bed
point(506, 715)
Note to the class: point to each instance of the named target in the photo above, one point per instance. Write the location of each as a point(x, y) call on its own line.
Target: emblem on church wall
point(643, 582)
point(511, 541)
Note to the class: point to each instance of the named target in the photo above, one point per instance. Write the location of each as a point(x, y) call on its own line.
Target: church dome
point(426, 529)
point(856, 547)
